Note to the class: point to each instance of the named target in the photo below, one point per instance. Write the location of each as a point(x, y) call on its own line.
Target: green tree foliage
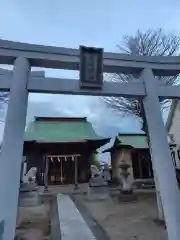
point(94, 160)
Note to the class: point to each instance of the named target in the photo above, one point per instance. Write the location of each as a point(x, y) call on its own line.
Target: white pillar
point(12, 147)
point(162, 157)
point(160, 210)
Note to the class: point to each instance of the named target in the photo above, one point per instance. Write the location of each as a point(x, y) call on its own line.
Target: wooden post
point(61, 162)
point(46, 173)
point(76, 173)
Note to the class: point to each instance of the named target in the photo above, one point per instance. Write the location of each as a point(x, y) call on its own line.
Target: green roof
point(135, 140)
point(60, 130)
point(128, 141)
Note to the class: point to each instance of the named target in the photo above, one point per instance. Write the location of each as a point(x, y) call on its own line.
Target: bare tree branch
point(148, 43)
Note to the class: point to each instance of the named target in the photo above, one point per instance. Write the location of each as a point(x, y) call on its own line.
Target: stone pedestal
point(28, 195)
point(28, 186)
point(46, 189)
point(98, 189)
point(106, 173)
point(127, 197)
point(76, 187)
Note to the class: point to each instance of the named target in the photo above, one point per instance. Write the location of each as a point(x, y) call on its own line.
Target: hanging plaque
point(91, 67)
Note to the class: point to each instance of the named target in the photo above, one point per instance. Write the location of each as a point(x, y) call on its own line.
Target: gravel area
point(126, 221)
point(33, 223)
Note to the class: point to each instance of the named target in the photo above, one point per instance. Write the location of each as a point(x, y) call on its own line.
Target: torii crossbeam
point(19, 82)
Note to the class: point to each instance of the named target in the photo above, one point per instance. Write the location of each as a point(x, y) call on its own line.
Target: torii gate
point(24, 56)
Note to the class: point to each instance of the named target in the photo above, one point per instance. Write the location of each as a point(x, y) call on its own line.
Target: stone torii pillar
point(161, 155)
point(12, 147)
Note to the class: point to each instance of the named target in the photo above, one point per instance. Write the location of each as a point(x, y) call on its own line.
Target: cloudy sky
point(71, 23)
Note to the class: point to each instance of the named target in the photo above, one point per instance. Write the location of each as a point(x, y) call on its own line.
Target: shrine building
point(62, 148)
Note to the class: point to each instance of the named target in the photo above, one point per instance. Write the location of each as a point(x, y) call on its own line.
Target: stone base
point(127, 191)
point(46, 189)
point(114, 192)
point(76, 187)
point(29, 198)
point(24, 187)
point(98, 193)
point(127, 197)
point(160, 222)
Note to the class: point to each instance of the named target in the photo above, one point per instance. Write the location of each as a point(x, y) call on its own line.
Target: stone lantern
point(126, 185)
point(126, 192)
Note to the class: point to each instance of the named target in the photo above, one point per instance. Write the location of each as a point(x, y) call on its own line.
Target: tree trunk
point(158, 195)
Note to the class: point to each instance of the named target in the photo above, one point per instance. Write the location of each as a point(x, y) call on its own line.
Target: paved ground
point(95, 227)
point(65, 189)
point(108, 220)
point(126, 221)
point(72, 224)
point(33, 223)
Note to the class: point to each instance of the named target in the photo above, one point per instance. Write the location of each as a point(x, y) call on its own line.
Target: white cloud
point(105, 121)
